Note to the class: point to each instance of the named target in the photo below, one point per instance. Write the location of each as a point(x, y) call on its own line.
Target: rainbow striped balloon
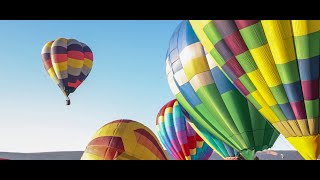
point(178, 137)
point(68, 63)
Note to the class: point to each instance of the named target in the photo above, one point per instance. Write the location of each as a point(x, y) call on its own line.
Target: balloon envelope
point(68, 63)
point(124, 140)
point(178, 137)
point(207, 95)
point(275, 64)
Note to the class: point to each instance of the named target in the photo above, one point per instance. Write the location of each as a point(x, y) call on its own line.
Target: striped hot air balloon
point(177, 135)
point(183, 137)
point(68, 63)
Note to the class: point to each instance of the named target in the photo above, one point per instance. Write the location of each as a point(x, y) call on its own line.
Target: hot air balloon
point(124, 140)
point(178, 137)
point(275, 65)
point(183, 137)
point(68, 63)
point(207, 95)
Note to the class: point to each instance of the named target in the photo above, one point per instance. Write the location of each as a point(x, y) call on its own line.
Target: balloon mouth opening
point(248, 154)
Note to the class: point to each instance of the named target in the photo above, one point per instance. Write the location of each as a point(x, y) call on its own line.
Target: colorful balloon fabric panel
point(124, 140)
point(275, 64)
point(208, 96)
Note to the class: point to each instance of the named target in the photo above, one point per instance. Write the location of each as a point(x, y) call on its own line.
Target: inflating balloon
point(177, 136)
point(208, 96)
point(124, 140)
point(68, 63)
point(274, 64)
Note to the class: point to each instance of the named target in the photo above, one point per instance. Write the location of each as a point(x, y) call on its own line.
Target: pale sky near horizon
point(128, 81)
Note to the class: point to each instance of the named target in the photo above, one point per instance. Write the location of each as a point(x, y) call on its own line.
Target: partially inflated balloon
point(124, 140)
point(275, 64)
point(207, 95)
point(68, 63)
point(175, 133)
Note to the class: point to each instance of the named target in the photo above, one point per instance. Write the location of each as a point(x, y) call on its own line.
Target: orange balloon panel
point(124, 140)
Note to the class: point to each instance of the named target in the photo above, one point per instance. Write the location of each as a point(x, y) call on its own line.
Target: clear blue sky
point(128, 81)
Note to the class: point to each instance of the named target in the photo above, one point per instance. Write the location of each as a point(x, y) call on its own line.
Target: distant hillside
point(270, 155)
point(62, 155)
point(76, 155)
point(267, 155)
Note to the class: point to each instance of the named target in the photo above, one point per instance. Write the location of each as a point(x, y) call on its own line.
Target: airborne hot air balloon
point(208, 96)
point(124, 140)
point(178, 137)
point(275, 65)
point(183, 138)
point(68, 63)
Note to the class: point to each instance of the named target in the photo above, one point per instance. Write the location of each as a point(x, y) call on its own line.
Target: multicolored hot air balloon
point(207, 95)
point(275, 65)
point(175, 127)
point(178, 137)
point(68, 63)
point(124, 140)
